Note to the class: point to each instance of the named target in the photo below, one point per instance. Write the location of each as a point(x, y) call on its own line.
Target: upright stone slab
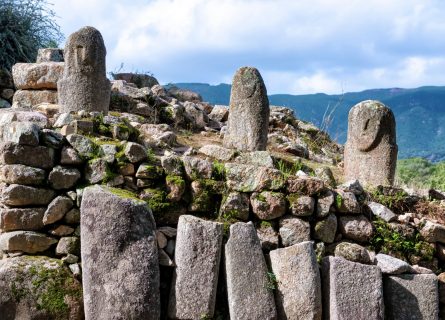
point(411, 296)
point(351, 290)
point(298, 294)
point(371, 149)
point(248, 122)
point(84, 85)
point(197, 258)
point(119, 257)
point(247, 277)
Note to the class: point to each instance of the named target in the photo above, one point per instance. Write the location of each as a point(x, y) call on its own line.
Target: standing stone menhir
point(371, 149)
point(119, 257)
point(84, 85)
point(249, 112)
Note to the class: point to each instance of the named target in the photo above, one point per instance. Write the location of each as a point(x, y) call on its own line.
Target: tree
point(26, 26)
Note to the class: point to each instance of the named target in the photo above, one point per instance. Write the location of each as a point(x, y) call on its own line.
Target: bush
point(25, 26)
point(421, 173)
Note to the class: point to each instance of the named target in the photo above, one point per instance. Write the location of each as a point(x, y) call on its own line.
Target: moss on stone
point(176, 180)
point(124, 193)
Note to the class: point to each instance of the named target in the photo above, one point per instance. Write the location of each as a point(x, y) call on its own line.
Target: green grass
point(421, 173)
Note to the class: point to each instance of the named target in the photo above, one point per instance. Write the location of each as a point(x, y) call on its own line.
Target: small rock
point(57, 209)
point(305, 185)
point(236, 205)
point(61, 231)
point(84, 146)
point(217, 152)
point(324, 203)
point(268, 205)
point(72, 216)
point(161, 239)
point(346, 202)
point(63, 177)
point(135, 152)
point(433, 232)
point(294, 230)
point(68, 245)
point(353, 252)
point(70, 156)
point(301, 206)
point(357, 228)
point(353, 186)
point(164, 259)
point(70, 259)
point(29, 219)
point(326, 229)
point(268, 237)
point(382, 212)
point(196, 168)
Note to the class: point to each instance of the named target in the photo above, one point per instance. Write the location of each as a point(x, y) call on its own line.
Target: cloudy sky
point(299, 46)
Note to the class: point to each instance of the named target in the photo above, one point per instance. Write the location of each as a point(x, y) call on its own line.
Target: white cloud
point(299, 46)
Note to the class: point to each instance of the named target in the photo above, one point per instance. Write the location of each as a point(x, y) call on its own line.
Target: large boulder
point(119, 256)
point(36, 287)
point(37, 75)
point(248, 122)
point(298, 292)
point(197, 257)
point(247, 276)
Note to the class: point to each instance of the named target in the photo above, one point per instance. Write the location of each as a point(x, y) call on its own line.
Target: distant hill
point(420, 113)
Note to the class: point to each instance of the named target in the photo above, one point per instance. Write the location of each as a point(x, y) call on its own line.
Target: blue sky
point(330, 46)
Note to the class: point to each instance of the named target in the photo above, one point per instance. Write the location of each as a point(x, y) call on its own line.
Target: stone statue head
point(85, 52)
point(370, 121)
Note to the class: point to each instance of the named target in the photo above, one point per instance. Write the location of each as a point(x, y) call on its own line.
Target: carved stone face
point(366, 124)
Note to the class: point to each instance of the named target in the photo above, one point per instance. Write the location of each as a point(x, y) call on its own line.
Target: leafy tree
point(25, 26)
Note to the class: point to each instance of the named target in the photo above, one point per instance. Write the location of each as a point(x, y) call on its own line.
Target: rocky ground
point(164, 147)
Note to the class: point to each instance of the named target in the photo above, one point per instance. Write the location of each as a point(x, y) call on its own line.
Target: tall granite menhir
point(371, 149)
point(84, 85)
point(248, 122)
point(119, 257)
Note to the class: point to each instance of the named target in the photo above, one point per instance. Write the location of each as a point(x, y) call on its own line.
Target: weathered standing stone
point(351, 290)
point(371, 149)
point(84, 85)
point(246, 274)
point(197, 258)
point(411, 296)
point(298, 293)
point(119, 257)
point(249, 112)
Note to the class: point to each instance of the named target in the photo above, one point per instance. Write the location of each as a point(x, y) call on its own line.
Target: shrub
point(25, 26)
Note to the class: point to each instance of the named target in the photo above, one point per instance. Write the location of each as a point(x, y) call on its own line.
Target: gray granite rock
point(260, 158)
point(37, 287)
point(236, 204)
point(246, 275)
point(196, 168)
point(351, 290)
point(84, 85)
point(294, 230)
point(249, 112)
point(25, 241)
point(135, 152)
point(357, 228)
point(268, 205)
point(411, 297)
point(38, 157)
point(57, 209)
point(84, 146)
point(308, 186)
point(301, 206)
point(250, 178)
point(379, 210)
point(23, 133)
point(298, 293)
point(68, 245)
point(63, 177)
point(325, 230)
point(29, 219)
point(17, 195)
point(324, 203)
point(352, 252)
point(217, 152)
point(391, 265)
point(37, 75)
point(197, 257)
point(20, 174)
point(116, 245)
point(346, 202)
point(49, 55)
point(433, 232)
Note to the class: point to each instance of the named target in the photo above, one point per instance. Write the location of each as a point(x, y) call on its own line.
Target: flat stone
point(251, 178)
point(120, 242)
point(28, 99)
point(149, 171)
point(23, 133)
point(247, 277)
point(433, 232)
point(325, 230)
point(217, 152)
point(268, 205)
point(391, 265)
point(38, 157)
point(351, 290)
point(18, 195)
point(260, 158)
point(197, 257)
point(305, 185)
point(25, 241)
point(411, 296)
point(32, 286)
point(379, 210)
point(37, 75)
point(20, 174)
point(357, 228)
point(298, 292)
point(294, 230)
point(28, 219)
point(301, 206)
point(57, 209)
